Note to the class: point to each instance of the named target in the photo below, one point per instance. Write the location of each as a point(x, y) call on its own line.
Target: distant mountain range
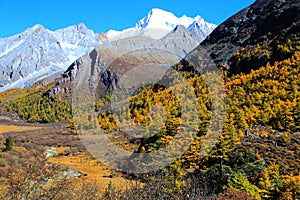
point(38, 53)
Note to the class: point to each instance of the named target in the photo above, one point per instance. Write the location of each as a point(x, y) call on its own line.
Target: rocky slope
point(109, 61)
point(265, 23)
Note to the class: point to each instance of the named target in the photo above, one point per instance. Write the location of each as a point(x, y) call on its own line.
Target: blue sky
point(102, 15)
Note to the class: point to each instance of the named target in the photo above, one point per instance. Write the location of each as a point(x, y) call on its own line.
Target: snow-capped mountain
point(159, 23)
point(38, 53)
point(161, 19)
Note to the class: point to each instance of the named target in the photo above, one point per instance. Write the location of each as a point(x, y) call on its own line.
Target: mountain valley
point(130, 96)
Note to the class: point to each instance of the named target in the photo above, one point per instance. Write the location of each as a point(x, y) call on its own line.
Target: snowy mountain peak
point(158, 23)
point(160, 19)
point(32, 30)
point(157, 11)
point(38, 52)
point(37, 27)
point(198, 18)
point(81, 26)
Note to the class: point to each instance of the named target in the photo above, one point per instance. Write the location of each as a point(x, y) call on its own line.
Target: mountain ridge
point(158, 23)
point(38, 53)
point(265, 23)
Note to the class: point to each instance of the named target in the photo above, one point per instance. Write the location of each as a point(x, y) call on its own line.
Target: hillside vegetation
point(34, 106)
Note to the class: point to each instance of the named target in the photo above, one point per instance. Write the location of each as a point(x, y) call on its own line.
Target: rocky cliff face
point(109, 61)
